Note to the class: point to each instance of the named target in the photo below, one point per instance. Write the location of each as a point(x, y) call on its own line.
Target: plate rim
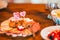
point(45, 29)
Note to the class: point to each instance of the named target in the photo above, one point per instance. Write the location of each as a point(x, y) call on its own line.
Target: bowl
point(56, 15)
point(44, 32)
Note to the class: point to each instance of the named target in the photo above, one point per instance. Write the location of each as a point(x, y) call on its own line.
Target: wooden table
point(37, 15)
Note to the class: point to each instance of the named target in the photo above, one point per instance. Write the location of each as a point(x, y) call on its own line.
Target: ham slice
point(35, 27)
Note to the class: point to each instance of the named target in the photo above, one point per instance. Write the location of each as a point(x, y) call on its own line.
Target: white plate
point(44, 33)
point(5, 26)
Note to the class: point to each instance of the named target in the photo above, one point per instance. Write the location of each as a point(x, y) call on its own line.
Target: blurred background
point(34, 1)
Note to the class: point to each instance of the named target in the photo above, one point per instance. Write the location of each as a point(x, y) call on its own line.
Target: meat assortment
point(18, 25)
